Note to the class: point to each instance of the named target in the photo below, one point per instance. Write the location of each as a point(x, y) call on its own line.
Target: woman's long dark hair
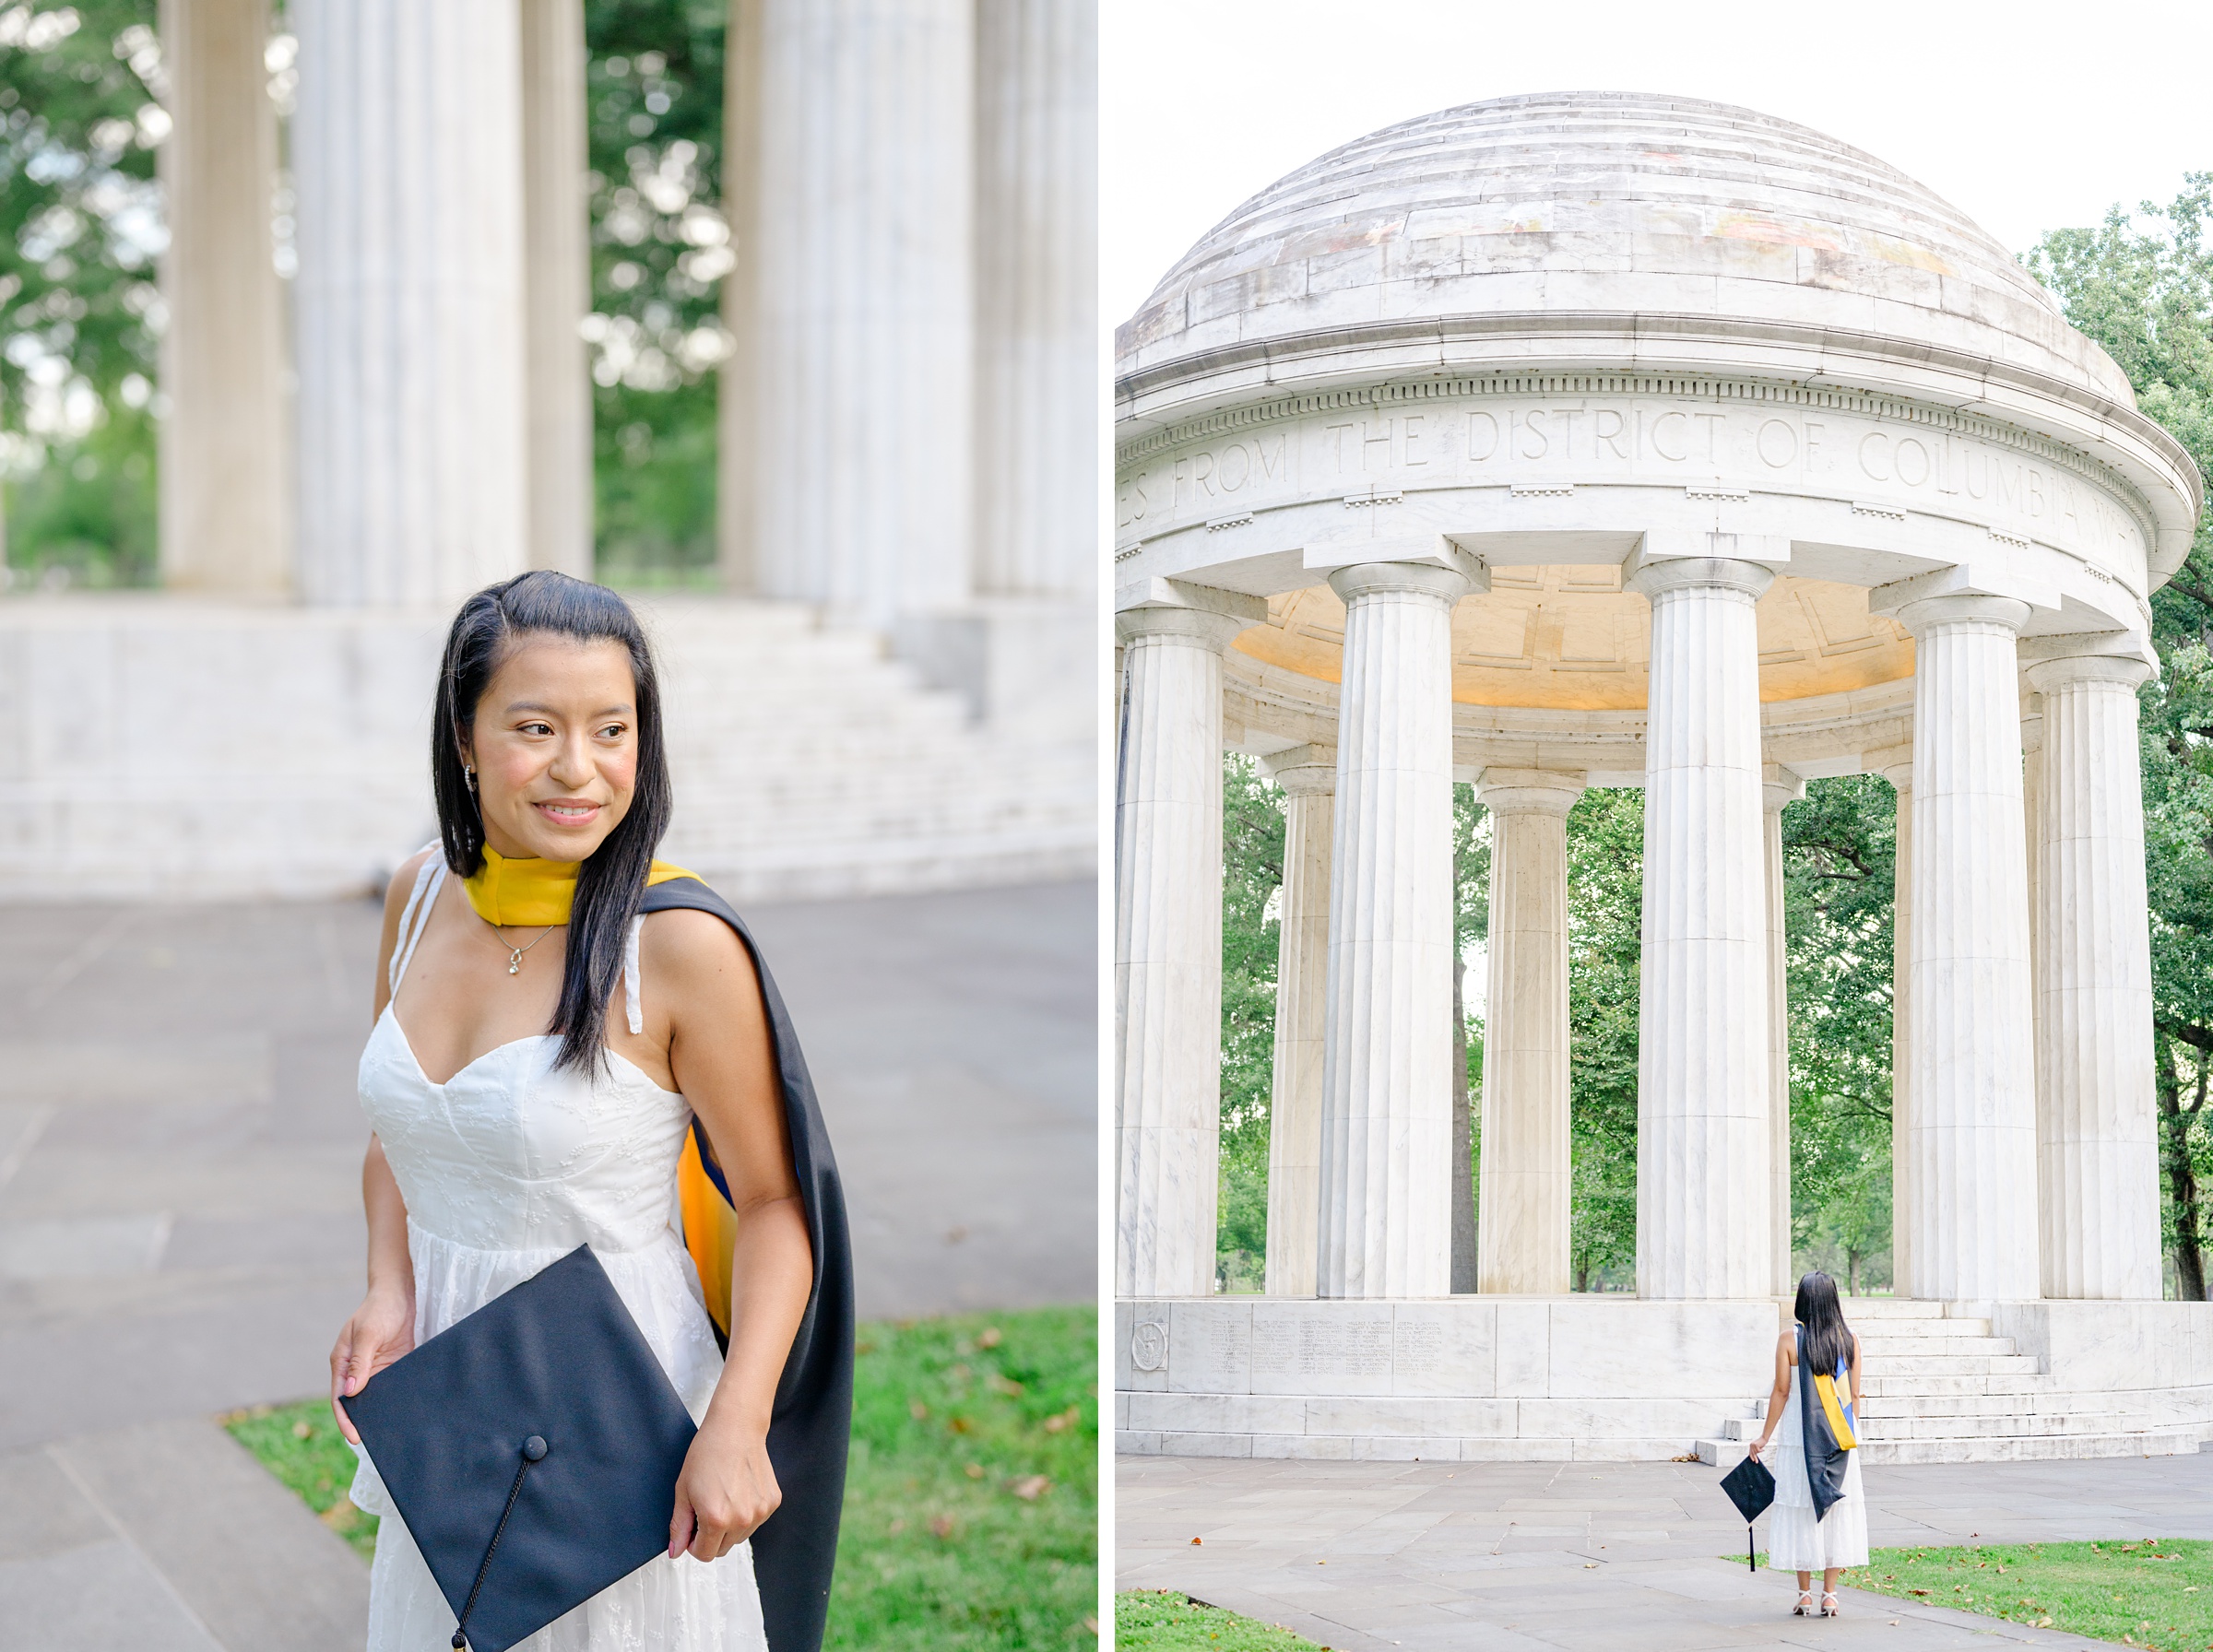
point(1827, 1338)
point(610, 884)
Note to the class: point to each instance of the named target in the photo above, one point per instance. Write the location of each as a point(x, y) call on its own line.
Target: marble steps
point(1943, 1389)
point(807, 762)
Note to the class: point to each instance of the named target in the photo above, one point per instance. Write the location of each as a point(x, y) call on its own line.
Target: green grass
point(971, 1519)
point(972, 1503)
point(301, 1445)
point(1164, 1620)
point(2154, 1593)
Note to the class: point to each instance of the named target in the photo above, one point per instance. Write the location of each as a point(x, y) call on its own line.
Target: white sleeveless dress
point(1796, 1542)
point(505, 1168)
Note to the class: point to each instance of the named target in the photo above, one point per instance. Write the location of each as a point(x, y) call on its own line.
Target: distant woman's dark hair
point(1827, 1339)
point(610, 884)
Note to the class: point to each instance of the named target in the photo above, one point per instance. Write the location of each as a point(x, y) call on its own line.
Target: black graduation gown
point(811, 1427)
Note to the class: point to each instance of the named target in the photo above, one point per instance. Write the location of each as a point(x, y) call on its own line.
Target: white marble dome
point(1587, 203)
point(1627, 232)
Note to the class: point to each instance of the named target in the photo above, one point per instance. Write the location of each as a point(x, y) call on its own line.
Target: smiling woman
point(557, 1124)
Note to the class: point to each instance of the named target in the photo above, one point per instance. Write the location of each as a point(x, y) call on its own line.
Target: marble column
point(1896, 765)
point(1387, 1108)
point(1169, 945)
point(1973, 1076)
point(1036, 242)
point(1308, 776)
point(847, 473)
point(557, 286)
point(1527, 1190)
point(2098, 1135)
point(407, 150)
point(2032, 789)
point(1702, 1154)
point(223, 502)
point(1779, 789)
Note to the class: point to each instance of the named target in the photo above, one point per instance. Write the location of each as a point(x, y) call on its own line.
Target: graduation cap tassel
point(533, 1449)
point(1751, 1559)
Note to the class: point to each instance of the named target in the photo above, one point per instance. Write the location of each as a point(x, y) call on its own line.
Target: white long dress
point(1796, 1542)
point(505, 1168)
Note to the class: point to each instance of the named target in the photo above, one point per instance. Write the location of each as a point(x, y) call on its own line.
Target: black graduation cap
point(532, 1448)
point(1751, 1488)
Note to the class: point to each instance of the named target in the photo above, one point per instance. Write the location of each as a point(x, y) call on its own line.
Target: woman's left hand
point(726, 1490)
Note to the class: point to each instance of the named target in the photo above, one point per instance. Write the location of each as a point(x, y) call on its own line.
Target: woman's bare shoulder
point(403, 881)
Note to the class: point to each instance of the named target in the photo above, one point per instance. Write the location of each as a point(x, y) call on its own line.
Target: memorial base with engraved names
point(1610, 1378)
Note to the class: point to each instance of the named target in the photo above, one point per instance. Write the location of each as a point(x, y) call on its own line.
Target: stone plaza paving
point(181, 1229)
point(1587, 1557)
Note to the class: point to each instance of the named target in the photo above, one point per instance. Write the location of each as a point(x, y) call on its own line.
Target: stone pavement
point(1541, 1557)
point(181, 1229)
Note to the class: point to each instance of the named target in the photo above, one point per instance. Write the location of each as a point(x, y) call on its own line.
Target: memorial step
point(2165, 1442)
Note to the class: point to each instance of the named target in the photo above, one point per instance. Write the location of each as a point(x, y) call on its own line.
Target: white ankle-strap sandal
point(1828, 1604)
point(1805, 1608)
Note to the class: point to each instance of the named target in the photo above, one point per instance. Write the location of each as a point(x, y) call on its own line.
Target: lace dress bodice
point(504, 1169)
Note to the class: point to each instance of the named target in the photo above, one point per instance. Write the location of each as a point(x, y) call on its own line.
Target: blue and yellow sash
point(1830, 1428)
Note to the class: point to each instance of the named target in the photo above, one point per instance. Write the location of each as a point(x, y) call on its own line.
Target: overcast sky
point(2028, 116)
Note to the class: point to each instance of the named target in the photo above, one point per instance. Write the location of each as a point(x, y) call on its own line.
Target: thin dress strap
point(630, 991)
point(415, 917)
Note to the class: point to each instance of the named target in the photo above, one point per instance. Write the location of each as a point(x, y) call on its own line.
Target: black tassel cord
point(533, 1449)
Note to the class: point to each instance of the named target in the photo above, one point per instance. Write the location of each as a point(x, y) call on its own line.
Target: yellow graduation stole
point(1837, 1411)
point(531, 893)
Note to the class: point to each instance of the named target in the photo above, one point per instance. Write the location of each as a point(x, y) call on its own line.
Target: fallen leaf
point(1194, 1542)
point(897, 1525)
point(1092, 1624)
point(961, 1425)
point(917, 1409)
point(974, 1471)
point(953, 1235)
point(940, 1526)
point(301, 1430)
point(1031, 1487)
point(989, 1337)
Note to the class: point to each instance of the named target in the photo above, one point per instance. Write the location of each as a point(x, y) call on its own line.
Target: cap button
point(534, 1447)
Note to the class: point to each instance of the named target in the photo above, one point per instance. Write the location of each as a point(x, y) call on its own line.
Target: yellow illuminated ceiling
point(1571, 638)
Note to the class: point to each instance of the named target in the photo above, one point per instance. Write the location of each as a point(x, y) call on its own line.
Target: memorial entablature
point(1610, 440)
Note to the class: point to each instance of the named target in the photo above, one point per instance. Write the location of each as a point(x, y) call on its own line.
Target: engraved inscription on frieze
point(1843, 452)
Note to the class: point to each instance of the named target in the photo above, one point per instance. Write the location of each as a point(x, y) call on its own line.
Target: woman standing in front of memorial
point(600, 1018)
point(1819, 1521)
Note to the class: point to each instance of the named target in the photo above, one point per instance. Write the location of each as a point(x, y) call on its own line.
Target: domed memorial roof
point(1615, 232)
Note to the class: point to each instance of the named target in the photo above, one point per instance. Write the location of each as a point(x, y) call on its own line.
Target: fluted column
point(1527, 1190)
point(223, 502)
point(847, 472)
point(1896, 765)
point(558, 285)
point(1781, 790)
point(1972, 1135)
point(1702, 1155)
point(1168, 947)
point(1308, 776)
point(1387, 1110)
point(2097, 1136)
point(410, 301)
point(1036, 241)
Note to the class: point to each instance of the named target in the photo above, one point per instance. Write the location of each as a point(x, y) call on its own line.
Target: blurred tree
point(1471, 928)
point(1253, 879)
point(660, 247)
point(1839, 855)
point(80, 316)
point(2141, 285)
point(1605, 898)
